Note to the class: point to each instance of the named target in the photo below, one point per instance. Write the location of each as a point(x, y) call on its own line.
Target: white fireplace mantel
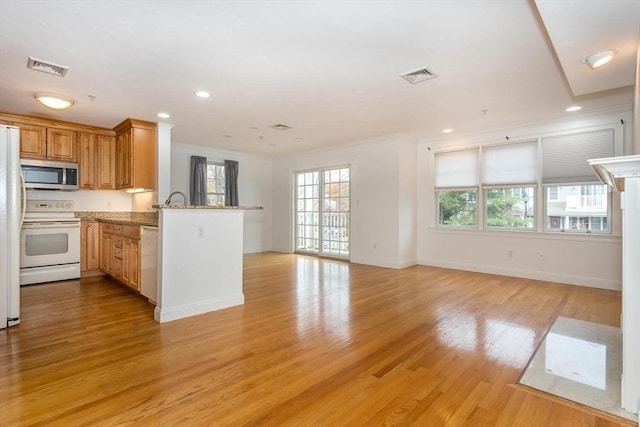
point(623, 174)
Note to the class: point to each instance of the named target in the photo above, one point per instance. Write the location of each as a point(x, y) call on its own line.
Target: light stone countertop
point(243, 208)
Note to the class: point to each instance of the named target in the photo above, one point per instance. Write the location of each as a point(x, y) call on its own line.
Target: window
point(323, 212)
point(578, 208)
point(215, 184)
point(579, 203)
point(457, 208)
point(456, 182)
point(544, 184)
point(510, 207)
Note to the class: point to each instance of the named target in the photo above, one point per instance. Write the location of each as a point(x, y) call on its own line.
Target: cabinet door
point(61, 145)
point(87, 161)
point(131, 263)
point(92, 247)
point(33, 141)
point(106, 158)
point(106, 253)
point(123, 160)
point(89, 246)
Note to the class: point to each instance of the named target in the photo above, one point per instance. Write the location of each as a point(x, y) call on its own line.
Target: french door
point(322, 212)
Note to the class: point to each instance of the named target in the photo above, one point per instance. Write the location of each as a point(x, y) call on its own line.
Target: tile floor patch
point(580, 361)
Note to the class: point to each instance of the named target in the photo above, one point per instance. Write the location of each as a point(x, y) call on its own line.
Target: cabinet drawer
point(117, 229)
point(107, 228)
point(131, 231)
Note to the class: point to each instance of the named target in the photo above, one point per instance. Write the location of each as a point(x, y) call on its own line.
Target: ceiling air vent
point(47, 67)
point(281, 126)
point(418, 76)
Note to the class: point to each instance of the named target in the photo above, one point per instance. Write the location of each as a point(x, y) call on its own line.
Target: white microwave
point(49, 175)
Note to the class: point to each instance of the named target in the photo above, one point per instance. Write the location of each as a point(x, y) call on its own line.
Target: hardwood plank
point(318, 342)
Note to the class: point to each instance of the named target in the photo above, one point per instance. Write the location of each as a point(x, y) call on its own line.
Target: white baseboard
point(395, 265)
point(173, 313)
point(592, 282)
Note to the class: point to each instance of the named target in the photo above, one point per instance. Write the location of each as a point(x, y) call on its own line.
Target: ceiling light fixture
point(597, 60)
point(447, 130)
point(202, 94)
point(53, 101)
point(573, 108)
point(163, 115)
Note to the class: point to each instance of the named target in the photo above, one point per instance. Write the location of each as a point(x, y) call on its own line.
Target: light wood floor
point(318, 342)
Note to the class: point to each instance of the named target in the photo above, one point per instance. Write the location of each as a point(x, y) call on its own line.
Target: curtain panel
point(198, 184)
point(231, 183)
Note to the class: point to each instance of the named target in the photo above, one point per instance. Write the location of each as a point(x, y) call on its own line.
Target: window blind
point(510, 164)
point(565, 157)
point(456, 169)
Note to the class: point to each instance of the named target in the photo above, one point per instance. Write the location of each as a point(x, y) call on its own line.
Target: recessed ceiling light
point(202, 94)
point(163, 115)
point(447, 130)
point(53, 101)
point(574, 108)
point(600, 58)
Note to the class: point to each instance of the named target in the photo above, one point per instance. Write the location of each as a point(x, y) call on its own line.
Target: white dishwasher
point(149, 262)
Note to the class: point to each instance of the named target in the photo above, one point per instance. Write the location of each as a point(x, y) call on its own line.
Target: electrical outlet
point(540, 255)
point(200, 232)
point(510, 253)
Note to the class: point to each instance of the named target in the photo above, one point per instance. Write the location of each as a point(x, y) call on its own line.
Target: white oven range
point(49, 242)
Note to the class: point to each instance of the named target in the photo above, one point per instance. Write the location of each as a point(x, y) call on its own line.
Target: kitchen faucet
point(184, 198)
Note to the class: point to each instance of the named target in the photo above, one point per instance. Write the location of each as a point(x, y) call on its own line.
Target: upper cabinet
point(97, 161)
point(120, 158)
point(135, 154)
point(62, 145)
point(40, 142)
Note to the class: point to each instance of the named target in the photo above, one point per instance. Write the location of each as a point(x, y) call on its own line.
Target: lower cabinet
point(120, 253)
point(89, 245)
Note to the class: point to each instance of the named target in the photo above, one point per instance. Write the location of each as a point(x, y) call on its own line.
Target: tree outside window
point(510, 207)
point(457, 208)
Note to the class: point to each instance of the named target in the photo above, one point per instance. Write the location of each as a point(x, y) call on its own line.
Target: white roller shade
point(510, 164)
point(565, 157)
point(456, 169)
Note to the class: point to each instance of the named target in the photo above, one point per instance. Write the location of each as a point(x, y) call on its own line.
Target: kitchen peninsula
point(200, 253)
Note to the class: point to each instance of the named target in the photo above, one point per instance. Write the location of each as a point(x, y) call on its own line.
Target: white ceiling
point(329, 69)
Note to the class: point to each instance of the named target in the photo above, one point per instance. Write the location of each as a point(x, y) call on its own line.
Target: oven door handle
point(49, 225)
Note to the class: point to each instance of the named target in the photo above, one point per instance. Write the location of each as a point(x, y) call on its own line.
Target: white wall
point(589, 260)
point(254, 188)
point(382, 198)
point(88, 200)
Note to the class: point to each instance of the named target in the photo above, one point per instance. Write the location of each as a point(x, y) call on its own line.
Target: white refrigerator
point(11, 215)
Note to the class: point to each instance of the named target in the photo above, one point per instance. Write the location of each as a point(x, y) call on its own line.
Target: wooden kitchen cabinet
point(135, 154)
point(89, 245)
point(96, 161)
point(40, 142)
point(33, 141)
point(62, 145)
point(106, 248)
point(120, 253)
